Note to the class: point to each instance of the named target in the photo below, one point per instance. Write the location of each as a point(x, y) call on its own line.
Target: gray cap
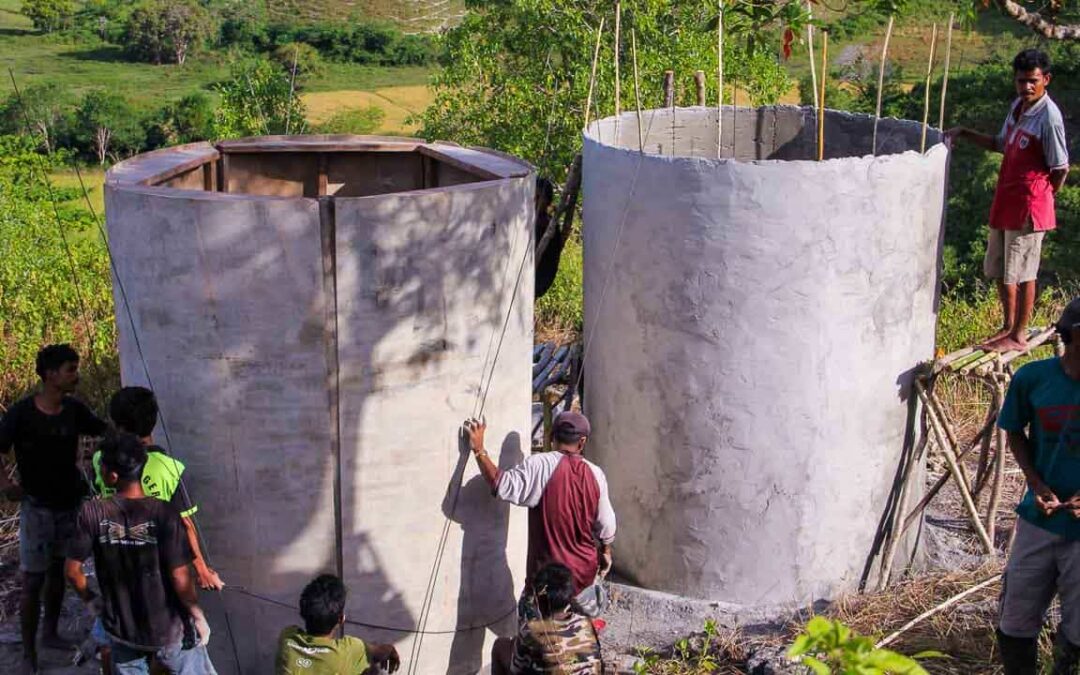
point(1070, 318)
point(569, 423)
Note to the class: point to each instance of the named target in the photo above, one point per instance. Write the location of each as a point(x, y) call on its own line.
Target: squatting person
point(1041, 416)
point(44, 429)
point(1034, 168)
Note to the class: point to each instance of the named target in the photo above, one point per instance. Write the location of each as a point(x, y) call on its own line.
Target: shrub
point(258, 99)
point(306, 59)
point(188, 120)
point(106, 126)
point(364, 120)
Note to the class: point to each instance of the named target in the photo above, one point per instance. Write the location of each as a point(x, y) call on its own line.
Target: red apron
point(1023, 187)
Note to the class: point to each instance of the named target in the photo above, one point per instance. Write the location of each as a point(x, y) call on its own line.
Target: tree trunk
point(43, 129)
point(101, 144)
point(181, 51)
point(1038, 23)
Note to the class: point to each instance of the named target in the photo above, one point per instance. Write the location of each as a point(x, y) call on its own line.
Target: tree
point(49, 15)
point(301, 56)
point(106, 125)
point(257, 100)
point(162, 29)
point(44, 107)
point(188, 120)
point(1056, 20)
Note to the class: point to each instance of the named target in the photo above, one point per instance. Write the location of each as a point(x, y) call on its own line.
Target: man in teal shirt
point(1041, 415)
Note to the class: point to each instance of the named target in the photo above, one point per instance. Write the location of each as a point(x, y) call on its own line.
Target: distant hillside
point(411, 15)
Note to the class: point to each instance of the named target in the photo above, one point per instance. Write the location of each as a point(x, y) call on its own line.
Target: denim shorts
point(45, 535)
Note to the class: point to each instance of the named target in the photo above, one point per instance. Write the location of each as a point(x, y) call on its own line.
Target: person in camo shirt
point(560, 642)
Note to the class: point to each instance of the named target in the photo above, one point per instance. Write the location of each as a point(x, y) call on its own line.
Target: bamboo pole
point(881, 83)
point(926, 98)
point(821, 101)
point(999, 465)
point(943, 443)
point(945, 77)
point(618, 46)
point(810, 50)
point(896, 535)
point(637, 91)
point(592, 76)
point(720, 79)
point(699, 82)
point(934, 610)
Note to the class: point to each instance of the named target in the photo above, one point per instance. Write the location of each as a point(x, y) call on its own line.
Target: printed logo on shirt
point(1023, 142)
point(1062, 421)
point(310, 651)
point(117, 534)
point(303, 663)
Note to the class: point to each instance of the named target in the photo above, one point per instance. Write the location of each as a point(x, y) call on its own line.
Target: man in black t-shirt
point(44, 430)
point(141, 557)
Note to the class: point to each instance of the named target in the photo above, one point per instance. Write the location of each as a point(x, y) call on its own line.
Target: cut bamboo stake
point(930, 612)
point(699, 81)
point(592, 76)
point(926, 98)
point(637, 91)
point(895, 536)
point(618, 46)
point(945, 77)
point(669, 101)
point(821, 101)
point(881, 83)
point(810, 50)
point(999, 462)
point(720, 79)
point(943, 443)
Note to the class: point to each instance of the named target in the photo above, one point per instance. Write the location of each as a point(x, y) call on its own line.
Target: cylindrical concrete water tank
point(317, 316)
point(753, 323)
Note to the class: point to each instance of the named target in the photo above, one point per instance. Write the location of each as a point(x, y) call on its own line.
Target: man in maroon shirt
point(571, 521)
point(1035, 165)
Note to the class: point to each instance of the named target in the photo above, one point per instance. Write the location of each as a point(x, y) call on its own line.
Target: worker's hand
point(952, 135)
point(1045, 498)
point(393, 661)
point(208, 579)
point(475, 429)
point(13, 492)
point(93, 603)
point(605, 562)
point(1072, 506)
point(202, 626)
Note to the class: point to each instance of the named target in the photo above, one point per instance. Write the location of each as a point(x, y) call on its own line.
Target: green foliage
point(166, 30)
point(106, 125)
point(301, 57)
point(689, 655)
point(561, 307)
point(516, 73)
point(38, 299)
point(830, 648)
point(258, 100)
point(49, 15)
point(188, 120)
point(41, 108)
point(364, 120)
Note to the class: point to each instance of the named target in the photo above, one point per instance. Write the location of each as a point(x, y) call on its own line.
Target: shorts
point(174, 659)
point(1042, 564)
point(1013, 255)
point(45, 535)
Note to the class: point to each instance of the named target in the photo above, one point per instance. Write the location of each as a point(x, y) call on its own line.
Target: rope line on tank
point(135, 335)
point(374, 626)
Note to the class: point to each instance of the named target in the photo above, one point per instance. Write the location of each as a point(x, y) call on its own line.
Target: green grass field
point(35, 59)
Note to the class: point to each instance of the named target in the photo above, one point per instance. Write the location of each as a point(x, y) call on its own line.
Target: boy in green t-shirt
point(315, 651)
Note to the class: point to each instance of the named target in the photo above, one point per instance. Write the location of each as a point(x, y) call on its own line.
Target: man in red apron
point(1034, 168)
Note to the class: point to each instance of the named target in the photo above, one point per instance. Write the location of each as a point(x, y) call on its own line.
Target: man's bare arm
point(378, 654)
point(73, 570)
point(488, 468)
point(1057, 178)
point(207, 578)
point(984, 141)
point(1045, 499)
point(188, 596)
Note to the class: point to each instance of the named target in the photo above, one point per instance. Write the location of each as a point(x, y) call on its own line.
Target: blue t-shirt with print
point(1045, 401)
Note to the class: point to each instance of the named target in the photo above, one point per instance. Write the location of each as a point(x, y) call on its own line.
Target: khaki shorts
point(1013, 255)
point(1042, 564)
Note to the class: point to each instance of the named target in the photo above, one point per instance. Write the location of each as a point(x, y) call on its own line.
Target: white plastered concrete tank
point(317, 317)
point(750, 351)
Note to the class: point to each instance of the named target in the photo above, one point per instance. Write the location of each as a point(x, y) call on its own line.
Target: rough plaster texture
point(233, 305)
point(751, 353)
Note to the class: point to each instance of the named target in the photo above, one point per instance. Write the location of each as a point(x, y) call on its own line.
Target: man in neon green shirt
point(135, 410)
point(314, 650)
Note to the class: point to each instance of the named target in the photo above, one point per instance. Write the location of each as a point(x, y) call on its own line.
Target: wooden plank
point(482, 164)
point(336, 143)
point(158, 166)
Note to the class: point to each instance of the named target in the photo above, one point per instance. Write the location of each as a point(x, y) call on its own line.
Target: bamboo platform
point(993, 370)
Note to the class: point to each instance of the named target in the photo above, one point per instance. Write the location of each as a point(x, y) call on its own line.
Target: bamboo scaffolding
point(821, 101)
point(810, 50)
point(926, 98)
point(945, 77)
point(592, 76)
point(618, 49)
point(880, 84)
point(720, 79)
point(637, 91)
